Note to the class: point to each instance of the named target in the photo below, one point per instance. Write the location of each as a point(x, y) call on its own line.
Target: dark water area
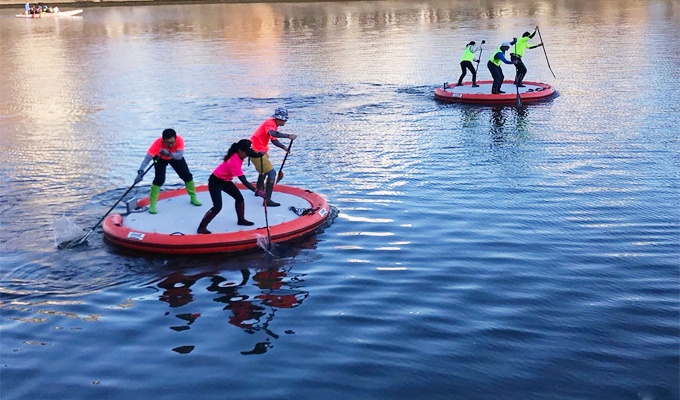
point(477, 252)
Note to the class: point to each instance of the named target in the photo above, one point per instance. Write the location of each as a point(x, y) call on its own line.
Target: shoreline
point(7, 4)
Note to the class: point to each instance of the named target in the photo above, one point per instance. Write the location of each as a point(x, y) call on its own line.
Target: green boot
point(191, 189)
point(153, 197)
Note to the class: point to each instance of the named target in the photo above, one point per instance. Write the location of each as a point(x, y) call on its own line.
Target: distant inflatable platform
point(533, 91)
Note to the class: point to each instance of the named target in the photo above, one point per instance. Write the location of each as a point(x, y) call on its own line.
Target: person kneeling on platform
point(494, 65)
point(260, 139)
point(170, 148)
point(220, 180)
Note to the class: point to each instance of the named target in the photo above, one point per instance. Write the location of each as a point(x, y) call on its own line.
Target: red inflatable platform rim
point(116, 233)
point(544, 91)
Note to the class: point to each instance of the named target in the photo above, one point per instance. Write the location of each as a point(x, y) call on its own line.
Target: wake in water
point(264, 243)
point(65, 231)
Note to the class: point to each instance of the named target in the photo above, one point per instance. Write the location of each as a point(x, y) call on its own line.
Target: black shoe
point(245, 222)
point(475, 85)
point(520, 85)
point(460, 84)
point(499, 91)
point(271, 203)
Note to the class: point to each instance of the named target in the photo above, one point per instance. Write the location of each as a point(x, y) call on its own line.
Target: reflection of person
point(518, 53)
point(494, 66)
point(466, 63)
point(178, 288)
point(220, 181)
point(260, 139)
point(170, 148)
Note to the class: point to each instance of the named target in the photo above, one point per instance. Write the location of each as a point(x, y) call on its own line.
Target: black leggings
point(521, 69)
point(180, 166)
point(497, 74)
point(216, 186)
point(464, 66)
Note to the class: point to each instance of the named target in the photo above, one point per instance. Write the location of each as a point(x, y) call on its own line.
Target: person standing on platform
point(267, 132)
point(220, 181)
point(494, 65)
point(170, 150)
point(518, 53)
point(27, 8)
point(466, 62)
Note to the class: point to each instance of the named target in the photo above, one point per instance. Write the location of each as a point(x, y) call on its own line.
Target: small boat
point(532, 91)
point(50, 14)
point(173, 229)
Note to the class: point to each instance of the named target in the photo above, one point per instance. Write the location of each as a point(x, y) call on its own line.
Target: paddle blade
point(279, 176)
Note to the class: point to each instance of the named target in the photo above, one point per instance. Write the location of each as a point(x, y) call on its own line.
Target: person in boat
point(268, 131)
point(220, 181)
point(494, 65)
point(169, 148)
point(27, 8)
point(466, 62)
point(56, 9)
point(518, 52)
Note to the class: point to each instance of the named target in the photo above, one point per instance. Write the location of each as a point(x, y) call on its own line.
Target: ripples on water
point(475, 252)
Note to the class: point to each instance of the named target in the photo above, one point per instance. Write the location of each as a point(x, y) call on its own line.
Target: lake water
point(477, 252)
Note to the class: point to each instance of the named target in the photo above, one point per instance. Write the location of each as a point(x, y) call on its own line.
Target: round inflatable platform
point(533, 91)
point(173, 229)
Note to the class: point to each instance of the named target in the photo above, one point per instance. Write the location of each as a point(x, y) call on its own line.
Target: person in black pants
point(494, 66)
point(466, 63)
point(220, 181)
point(167, 149)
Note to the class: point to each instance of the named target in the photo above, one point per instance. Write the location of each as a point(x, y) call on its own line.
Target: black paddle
point(480, 55)
point(519, 99)
point(544, 52)
point(266, 218)
point(279, 176)
point(75, 242)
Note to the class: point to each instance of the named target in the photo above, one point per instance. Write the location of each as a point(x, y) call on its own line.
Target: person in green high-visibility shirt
point(494, 65)
point(518, 52)
point(466, 63)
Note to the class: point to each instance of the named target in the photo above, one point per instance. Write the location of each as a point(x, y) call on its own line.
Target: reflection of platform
point(50, 14)
point(532, 91)
point(173, 229)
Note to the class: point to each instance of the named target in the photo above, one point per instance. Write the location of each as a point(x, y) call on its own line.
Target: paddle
point(75, 242)
point(480, 55)
point(279, 176)
point(544, 52)
point(266, 218)
point(519, 99)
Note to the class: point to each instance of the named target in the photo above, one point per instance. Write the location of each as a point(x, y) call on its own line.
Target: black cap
point(246, 146)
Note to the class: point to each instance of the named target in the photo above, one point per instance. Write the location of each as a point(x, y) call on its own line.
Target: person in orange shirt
point(268, 131)
point(170, 150)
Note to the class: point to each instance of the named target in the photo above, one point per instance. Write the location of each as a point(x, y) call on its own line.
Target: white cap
point(506, 44)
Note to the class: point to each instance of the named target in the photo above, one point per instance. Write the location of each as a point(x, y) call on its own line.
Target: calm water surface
point(477, 252)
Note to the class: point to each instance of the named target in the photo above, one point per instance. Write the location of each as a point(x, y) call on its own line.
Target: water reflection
point(251, 301)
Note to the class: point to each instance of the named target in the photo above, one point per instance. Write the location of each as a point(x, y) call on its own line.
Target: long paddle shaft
point(544, 52)
point(519, 99)
point(480, 55)
point(266, 218)
point(112, 207)
point(279, 176)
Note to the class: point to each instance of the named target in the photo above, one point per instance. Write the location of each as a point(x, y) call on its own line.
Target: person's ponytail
point(231, 152)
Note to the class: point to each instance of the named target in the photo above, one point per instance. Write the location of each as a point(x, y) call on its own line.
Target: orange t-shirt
point(158, 144)
point(261, 137)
